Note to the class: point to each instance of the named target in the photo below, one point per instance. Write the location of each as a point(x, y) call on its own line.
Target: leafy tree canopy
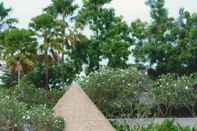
point(19, 45)
point(110, 35)
point(4, 17)
point(166, 45)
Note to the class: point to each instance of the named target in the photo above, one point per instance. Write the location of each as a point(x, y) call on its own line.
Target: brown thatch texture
point(80, 113)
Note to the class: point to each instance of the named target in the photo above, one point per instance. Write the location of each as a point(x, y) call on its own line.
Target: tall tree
point(19, 45)
point(110, 34)
point(4, 17)
point(185, 33)
point(166, 45)
point(151, 44)
point(5, 21)
point(63, 10)
point(44, 26)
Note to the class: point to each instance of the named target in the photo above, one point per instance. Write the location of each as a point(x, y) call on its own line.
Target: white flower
point(27, 117)
point(186, 87)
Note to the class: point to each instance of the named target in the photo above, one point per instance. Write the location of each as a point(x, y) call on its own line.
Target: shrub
point(29, 94)
point(3, 92)
point(11, 113)
point(41, 118)
point(7, 79)
point(165, 126)
point(175, 94)
point(116, 92)
point(60, 74)
point(15, 115)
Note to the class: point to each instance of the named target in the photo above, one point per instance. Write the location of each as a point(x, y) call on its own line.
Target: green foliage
point(158, 12)
point(43, 25)
point(5, 23)
point(110, 35)
point(42, 22)
point(11, 113)
point(55, 74)
point(6, 79)
point(165, 126)
point(166, 45)
point(61, 7)
point(173, 93)
point(29, 94)
point(97, 2)
point(130, 93)
point(19, 44)
point(4, 19)
point(37, 75)
point(3, 92)
point(116, 92)
point(3, 11)
point(78, 51)
point(41, 118)
point(15, 115)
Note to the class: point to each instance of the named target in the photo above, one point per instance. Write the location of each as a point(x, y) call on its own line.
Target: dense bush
point(175, 95)
point(165, 126)
point(130, 93)
point(3, 92)
point(8, 79)
point(60, 74)
point(15, 115)
point(29, 94)
point(11, 114)
point(117, 92)
point(41, 118)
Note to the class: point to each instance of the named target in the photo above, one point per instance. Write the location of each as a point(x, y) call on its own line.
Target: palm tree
point(45, 26)
point(4, 20)
point(63, 10)
point(19, 45)
point(5, 23)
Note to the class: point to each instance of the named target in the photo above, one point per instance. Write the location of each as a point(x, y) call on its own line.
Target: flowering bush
point(130, 93)
point(116, 91)
point(165, 126)
point(175, 94)
point(11, 113)
point(15, 115)
point(41, 118)
point(31, 95)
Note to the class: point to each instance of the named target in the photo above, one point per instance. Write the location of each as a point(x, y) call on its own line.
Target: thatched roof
point(80, 113)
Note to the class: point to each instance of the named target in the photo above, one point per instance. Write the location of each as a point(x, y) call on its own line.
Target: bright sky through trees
point(24, 10)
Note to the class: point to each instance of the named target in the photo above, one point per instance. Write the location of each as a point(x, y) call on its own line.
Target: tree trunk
point(63, 45)
point(46, 64)
point(62, 69)
point(46, 75)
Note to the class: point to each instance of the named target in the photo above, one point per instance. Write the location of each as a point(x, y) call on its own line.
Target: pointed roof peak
point(80, 113)
point(74, 86)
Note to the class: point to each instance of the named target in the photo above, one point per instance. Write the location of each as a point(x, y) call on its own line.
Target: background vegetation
point(42, 60)
point(165, 126)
